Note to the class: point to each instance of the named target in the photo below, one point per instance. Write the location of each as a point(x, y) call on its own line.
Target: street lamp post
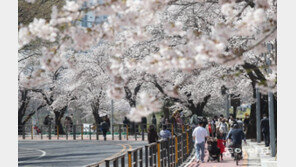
point(271, 123)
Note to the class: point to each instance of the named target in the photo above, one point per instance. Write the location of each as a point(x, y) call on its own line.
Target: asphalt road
point(70, 153)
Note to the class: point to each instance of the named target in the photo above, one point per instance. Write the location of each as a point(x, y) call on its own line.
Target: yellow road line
point(245, 161)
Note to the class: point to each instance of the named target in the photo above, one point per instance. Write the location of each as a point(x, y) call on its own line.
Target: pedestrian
point(223, 129)
point(204, 121)
point(210, 128)
point(47, 120)
point(107, 121)
point(199, 135)
point(194, 120)
point(154, 120)
point(125, 122)
point(105, 128)
point(144, 123)
point(221, 142)
point(162, 121)
point(265, 129)
point(240, 123)
point(152, 134)
point(213, 127)
point(246, 122)
point(165, 134)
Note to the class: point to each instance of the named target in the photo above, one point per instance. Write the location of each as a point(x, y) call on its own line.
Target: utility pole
point(112, 116)
point(271, 123)
point(227, 105)
point(258, 118)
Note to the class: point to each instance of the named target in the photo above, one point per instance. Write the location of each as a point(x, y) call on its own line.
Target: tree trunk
point(58, 117)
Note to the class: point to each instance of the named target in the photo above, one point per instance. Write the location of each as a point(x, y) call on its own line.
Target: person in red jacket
point(220, 144)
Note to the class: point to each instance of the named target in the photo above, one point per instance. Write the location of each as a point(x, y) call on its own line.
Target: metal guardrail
point(93, 132)
point(171, 153)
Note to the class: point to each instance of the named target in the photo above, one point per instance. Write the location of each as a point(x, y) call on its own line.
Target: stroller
point(214, 151)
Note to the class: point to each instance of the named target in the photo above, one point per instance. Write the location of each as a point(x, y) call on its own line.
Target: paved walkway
point(254, 155)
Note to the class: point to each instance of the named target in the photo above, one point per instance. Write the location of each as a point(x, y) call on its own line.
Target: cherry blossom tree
point(158, 37)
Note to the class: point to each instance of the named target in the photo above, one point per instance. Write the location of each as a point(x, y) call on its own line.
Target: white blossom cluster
point(186, 45)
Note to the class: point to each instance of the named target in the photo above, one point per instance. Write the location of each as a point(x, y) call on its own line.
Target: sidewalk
point(254, 154)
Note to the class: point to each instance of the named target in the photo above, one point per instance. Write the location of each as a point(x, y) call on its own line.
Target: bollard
point(129, 159)
point(81, 131)
point(74, 132)
point(58, 132)
point(158, 153)
point(32, 128)
point(49, 131)
point(23, 131)
point(119, 132)
point(89, 132)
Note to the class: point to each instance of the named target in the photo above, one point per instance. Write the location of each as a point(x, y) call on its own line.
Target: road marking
point(42, 155)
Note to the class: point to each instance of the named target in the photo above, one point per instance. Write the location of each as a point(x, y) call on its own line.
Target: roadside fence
point(170, 153)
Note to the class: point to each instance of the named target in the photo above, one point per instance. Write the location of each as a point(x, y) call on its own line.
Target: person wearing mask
point(152, 134)
point(265, 129)
point(199, 135)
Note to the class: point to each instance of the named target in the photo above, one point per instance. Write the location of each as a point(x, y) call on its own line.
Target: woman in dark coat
point(152, 134)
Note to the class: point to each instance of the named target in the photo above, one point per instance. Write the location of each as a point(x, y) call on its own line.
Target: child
point(220, 144)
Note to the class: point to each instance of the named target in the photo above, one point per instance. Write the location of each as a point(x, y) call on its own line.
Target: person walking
point(204, 121)
point(213, 127)
point(265, 129)
point(223, 129)
point(199, 135)
point(240, 123)
point(105, 128)
point(246, 122)
point(152, 134)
